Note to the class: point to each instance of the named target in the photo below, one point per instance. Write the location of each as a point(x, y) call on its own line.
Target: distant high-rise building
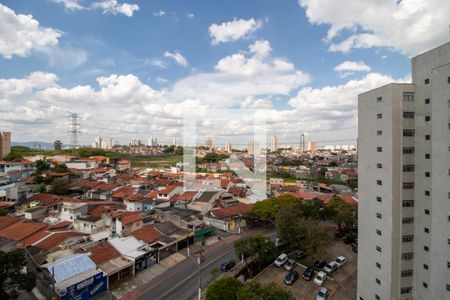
point(273, 143)
point(152, 142)
point(176, 141)
point(209, 143)
point(57, 145)
point(253, 148)
point(312, 146)
point(5, 143)
point(136, 143)
point(228, 148)
point(404, 171)
point(302, 142)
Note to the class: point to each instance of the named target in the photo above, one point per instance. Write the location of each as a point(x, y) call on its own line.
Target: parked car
point(355, 246)
point(227, 265)
point(290, 264)
point(319, 264)
point(299, 254)
point(291, 277)
point(308, 273)
point(331, 267)
point(348, 239)
point(280, 260)
point(322, 294)
point(341, 261)
point(320, 278)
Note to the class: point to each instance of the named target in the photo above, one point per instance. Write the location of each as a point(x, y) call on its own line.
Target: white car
point(340, 261)
point(280, 260)
point(320, 278)
point(331, 267)
point(322, 294)
point(289, 265)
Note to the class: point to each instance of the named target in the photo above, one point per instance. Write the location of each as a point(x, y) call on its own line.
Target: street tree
point(224, 288)
point(258, 251)
point(269, 291)
point(12, 279)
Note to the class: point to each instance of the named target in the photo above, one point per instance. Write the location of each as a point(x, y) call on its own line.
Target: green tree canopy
point(267, 210)
point(258, 251)
point(343, 213)
point(12, 279)
point(41, 165)
point(223, 288)
point(61, 168)
point(269, 291)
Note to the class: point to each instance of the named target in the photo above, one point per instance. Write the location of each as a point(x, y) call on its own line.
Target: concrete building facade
point(404, 180)
point(5, 143)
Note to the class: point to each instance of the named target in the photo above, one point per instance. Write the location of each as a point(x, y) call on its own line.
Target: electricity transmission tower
point(74, 130)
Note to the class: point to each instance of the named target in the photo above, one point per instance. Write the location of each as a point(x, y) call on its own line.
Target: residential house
point(89, 224)
point(72, 210)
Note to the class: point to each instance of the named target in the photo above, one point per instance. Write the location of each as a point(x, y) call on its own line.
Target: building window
point(425, 248)
point(408, 220)
point(427, 174)
point(408, 203)
point(407, 273)
point(427, 118)
point(407, 238)
point(378, 248)
point(379, 182)
point(405, 290)
point(427, 230)
point(379, 198)
point(425, 285)
point(378, 231)
point(407, 256)
point(379, 99)
point(448, 265)
point(427, 193)
point(427, 81)
point(408, 150)
point(427, 211)
point(427, 156)
point(427, 101)
point(378, 215)
point(379, 132)
point(448, 79)
point(425, 266)
point(408, 96)
point(379, 166)
point(408, 185)
point(379, 116)
point(378, 265)
point(427, 137)
point(377, 281)
point(377, 297)
point(408, 115)
point(448, 287)
point(379, 149)
point(408, 132)
point(408, 168)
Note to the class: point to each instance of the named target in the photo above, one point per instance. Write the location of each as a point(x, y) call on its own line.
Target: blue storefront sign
point(86, 289)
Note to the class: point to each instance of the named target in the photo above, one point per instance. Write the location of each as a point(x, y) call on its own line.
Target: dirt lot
point(342, 285)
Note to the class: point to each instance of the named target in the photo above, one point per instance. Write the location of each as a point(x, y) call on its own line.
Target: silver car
point(322, 294)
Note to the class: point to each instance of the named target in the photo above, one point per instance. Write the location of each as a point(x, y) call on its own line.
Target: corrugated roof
point(69, 267)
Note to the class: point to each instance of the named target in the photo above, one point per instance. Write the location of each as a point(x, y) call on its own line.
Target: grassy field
point(156, 161)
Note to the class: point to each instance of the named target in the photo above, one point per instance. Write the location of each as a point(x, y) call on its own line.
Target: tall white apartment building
point(273, 143)
point(404, 184)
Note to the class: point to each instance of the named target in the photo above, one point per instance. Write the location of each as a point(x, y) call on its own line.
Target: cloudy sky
point(131, 68)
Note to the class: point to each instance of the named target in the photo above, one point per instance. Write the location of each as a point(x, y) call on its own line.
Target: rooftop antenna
point(74, 126)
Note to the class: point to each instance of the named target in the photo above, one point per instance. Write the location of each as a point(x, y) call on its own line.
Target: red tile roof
point(87, 184)
point(237, 191)
point(232, 211)
point(186, 196)
point(54, 239)
point(310, 196)
point(103, 252)
point(20, 230)
point(147, 234)
point(102, 208)
point(130, 219)
point(106, 186)
point(6, 221)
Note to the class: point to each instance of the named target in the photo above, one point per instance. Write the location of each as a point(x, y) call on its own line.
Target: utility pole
point(200, 263)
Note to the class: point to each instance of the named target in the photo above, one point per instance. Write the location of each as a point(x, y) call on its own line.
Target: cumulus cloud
point(113, 7)
point(350, 67)
point(21, 34)
point(70, 4)
point(409, 26)
point(159, 13)
point(233, 30)
point(177, 57)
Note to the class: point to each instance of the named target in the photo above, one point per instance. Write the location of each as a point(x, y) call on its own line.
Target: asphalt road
point(182, 281)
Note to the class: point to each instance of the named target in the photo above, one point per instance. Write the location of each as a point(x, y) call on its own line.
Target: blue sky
point(150, 54)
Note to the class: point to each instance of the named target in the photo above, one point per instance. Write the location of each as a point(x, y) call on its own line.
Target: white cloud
point(21, 34)
point(161, 80)
point(176, 56)
point(233, 30)
point(410, 26)
point(113, 7)
point(159, 13)
point(348, 65)
point(70, 4)
point(64, 56)
point(157, 63)
point(190, 15)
